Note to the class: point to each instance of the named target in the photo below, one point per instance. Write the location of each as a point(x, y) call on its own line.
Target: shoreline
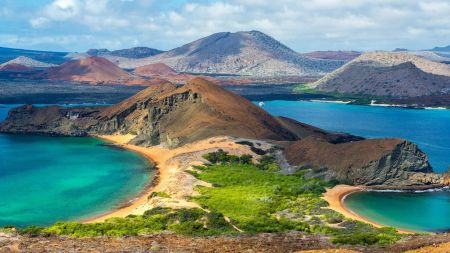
point(124, 209)
point(172, 174)
point(336, 196)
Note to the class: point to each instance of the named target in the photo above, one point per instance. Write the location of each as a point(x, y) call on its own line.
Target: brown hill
point(92, 69)
point(197, 110)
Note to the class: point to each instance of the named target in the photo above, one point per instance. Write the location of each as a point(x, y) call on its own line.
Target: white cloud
point(62, 9)
point(302, 25)
point(39, 22)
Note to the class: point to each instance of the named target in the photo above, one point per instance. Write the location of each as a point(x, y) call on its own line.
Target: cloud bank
point(302, 25)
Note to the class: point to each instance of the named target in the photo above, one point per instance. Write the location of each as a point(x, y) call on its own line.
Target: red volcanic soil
point(334, 55)
point(14, 67)
point(94, 70)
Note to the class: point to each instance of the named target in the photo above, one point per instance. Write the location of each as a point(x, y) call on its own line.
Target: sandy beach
point(173, 178)
point(335, 197)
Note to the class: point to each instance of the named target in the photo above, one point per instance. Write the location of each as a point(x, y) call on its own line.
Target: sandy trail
point(173, 179)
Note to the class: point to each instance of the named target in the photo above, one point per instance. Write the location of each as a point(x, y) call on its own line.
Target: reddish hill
point(92, 69)
point(14, 67)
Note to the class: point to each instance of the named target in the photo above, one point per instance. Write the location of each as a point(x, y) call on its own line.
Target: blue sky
point(303, 25)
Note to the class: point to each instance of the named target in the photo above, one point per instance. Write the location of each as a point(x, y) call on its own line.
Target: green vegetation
point(181, 221)
point(358, 99)
point(254, 197)
point(159, 194)
point(257, 199)
point(305, 88)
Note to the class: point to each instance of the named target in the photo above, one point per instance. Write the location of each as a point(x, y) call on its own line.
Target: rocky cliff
point(172, 116)
point(390, 162)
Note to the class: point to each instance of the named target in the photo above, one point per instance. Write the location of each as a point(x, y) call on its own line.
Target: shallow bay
point(46, 179)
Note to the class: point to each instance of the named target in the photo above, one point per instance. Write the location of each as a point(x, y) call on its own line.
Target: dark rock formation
point(391, 162)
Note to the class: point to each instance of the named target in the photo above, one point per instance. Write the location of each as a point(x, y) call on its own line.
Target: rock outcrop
point(172, 116)
point(389, 162)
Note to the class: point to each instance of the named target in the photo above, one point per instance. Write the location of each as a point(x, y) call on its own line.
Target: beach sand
point(172, 177)
point(335, 197)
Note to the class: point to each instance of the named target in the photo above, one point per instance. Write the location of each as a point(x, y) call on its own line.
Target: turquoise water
point(47, 179)
point(428, 128)
point(426, 211)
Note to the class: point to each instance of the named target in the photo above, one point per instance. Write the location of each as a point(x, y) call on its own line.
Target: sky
point(303, 25)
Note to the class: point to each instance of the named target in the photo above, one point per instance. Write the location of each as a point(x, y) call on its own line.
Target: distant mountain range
point(7, 54)
point(245, 54)
point(28, 62)
point(242, 53)
point(441, 49)
point(135, 52)
point(334, 55)
point(389, 74)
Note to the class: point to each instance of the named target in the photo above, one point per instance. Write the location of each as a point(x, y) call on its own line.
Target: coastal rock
point(389, 162)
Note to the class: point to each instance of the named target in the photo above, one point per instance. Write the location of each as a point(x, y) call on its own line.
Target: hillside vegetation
point(245, 198)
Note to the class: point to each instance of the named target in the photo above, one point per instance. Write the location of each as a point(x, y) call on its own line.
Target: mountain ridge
point(134, 52)
point(28, 62)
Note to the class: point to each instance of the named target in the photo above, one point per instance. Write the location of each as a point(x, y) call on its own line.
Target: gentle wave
point(440, 189)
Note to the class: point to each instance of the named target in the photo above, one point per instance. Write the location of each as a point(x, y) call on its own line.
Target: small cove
point(48, 179)
point(421, 211)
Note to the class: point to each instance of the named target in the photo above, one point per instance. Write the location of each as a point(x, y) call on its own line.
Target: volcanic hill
point(92, 69)
point(241, 53)
point(390, 74)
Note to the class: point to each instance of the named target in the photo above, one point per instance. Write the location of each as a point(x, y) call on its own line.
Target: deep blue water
point(430, 129)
